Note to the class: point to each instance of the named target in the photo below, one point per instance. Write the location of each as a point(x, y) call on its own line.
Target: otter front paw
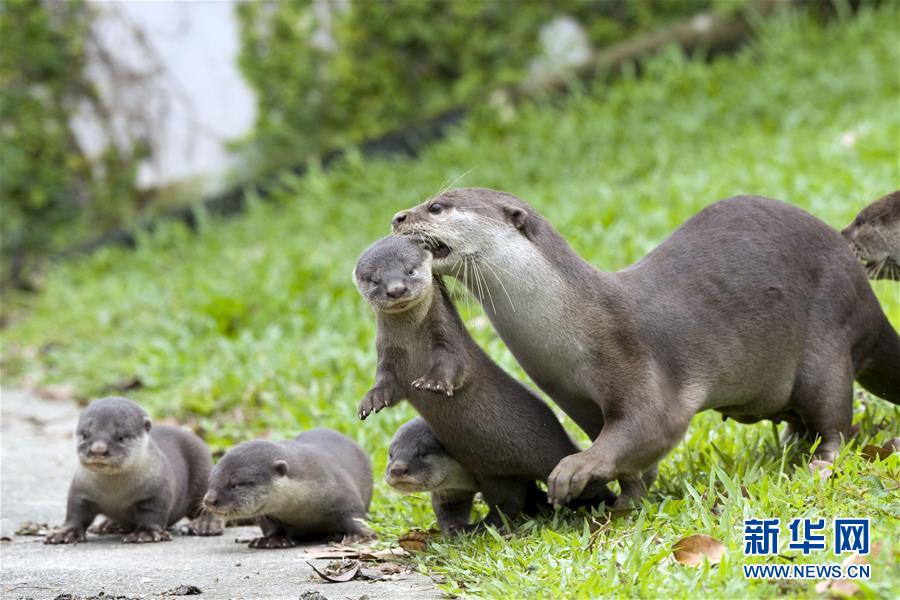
point(438, 385)
point(68, 535)
point(269, 542)
point(571, 476)
point(147, 536)
point(376, 399)
point(206, 525)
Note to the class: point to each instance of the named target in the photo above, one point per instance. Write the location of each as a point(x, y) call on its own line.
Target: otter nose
point(399, 218)
point(398, 471)
point(396, 289)
point(210, 498)
point(99, 448)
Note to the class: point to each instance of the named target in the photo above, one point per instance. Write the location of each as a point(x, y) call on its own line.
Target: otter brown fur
point(496, 428)
point(752, 307)
point(316, 486)
point(874, 236)
point(143, 478)
point(417, 462)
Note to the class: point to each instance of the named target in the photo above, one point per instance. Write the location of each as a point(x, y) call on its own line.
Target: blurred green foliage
point(369, 66)
point(50, 188)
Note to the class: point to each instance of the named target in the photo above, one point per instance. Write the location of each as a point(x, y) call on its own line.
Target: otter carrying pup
point(142, 478)
point(316, 486)
point(496, 428)
point(417, 462)
point(752, 307)
point(875, 237)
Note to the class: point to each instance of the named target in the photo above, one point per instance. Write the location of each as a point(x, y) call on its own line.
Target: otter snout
point(396, 289)
point(399, 218)
point(210, 499)
point(396, 471)
point(98, 449)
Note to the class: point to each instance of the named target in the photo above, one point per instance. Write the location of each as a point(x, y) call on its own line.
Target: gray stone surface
point(37, 460)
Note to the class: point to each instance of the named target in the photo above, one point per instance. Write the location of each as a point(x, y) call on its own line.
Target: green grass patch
point(253, 326)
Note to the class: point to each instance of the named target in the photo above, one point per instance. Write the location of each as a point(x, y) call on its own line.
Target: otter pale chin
point(142, 478)
point(752, 307)
point(874, 236)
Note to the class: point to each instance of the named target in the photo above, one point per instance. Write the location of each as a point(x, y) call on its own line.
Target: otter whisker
point(500, 281)
point(487, 288)
point(454, 182)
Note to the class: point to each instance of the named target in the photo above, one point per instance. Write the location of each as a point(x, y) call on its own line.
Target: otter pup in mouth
point(492, 425)
point(316, 486)
point(752, 307)
point(142, 478)
point(874, 235)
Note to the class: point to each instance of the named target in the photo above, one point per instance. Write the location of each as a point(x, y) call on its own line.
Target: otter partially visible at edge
point(874, 236)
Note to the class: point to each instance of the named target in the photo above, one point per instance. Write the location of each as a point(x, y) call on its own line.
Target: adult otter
point(752, 307)
point(142, 478)
point(875, 237)
point(496, 428)
point(417, 462)
point(316, 486)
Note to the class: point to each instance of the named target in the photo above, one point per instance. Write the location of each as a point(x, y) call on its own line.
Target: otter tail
point(880, 373)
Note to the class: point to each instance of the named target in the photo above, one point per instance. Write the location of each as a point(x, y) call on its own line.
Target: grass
point(253, 327)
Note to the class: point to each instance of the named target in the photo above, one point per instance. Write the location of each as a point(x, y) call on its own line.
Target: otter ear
point(147, 424)
point(518, 217)
point(281, 467)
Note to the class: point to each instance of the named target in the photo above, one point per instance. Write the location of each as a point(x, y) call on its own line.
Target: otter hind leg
point(823, 398)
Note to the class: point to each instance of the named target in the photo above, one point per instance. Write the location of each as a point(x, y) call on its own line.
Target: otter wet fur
point(752, 307)
point(143, 478)
point(495, 427)
point(314, 487)
point(874, 236)
point(417, 462)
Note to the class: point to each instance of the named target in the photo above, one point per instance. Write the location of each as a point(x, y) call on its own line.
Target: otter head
point(468, 223)
point(394, 274)
point(875, 237)
point(241, 483)
point(111, 436)
point(417, 462)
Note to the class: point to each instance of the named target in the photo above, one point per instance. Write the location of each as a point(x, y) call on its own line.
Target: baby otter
point(417, 462)
point(316, 486)
point(143, 478)
point(498, 430)
point(875, 237)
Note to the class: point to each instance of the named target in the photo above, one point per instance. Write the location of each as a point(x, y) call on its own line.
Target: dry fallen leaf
point(691, 550)
point(415, 540)
point(338, 571)
point(32, 528)
point(56, 391)
point(875, 452)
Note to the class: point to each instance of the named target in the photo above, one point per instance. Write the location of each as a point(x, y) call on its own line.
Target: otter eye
point(422, 454)
point(122, 438)
point(858, 221)
point(435, 208)
point(374, 281)
point(412, 272)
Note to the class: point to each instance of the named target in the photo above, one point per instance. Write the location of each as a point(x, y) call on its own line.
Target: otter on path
point(417, 462)
point(316, 486)
point(496, 428)
point(142, 478)
point(875, 237)
point(752, 307)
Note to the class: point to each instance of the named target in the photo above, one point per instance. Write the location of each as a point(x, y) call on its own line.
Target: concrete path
point(37, 461)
